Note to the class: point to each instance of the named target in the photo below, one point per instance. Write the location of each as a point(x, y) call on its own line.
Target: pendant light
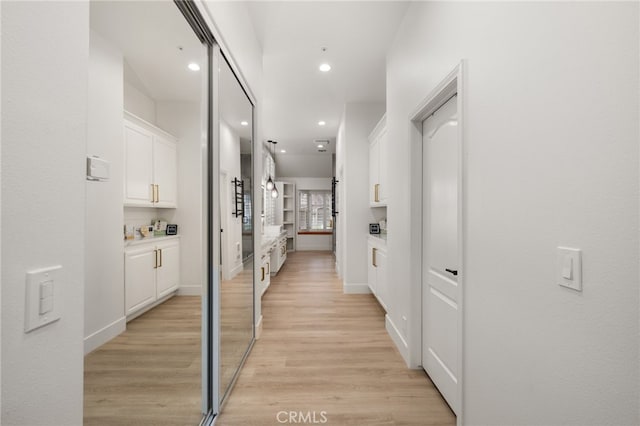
point(270, 185)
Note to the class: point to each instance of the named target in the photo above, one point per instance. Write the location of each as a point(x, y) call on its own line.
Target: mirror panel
point(236, 223)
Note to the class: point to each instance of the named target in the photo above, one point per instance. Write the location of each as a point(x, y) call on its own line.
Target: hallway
point(325, 351)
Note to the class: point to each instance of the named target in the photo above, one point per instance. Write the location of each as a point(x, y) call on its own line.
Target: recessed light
point(321, 123)
point(320, 146)
point(194, 67)
point(244, 123)
point(325, 67)
point(283, 151)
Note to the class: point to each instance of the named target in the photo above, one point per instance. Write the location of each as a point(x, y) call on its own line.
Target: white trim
point(452, 84)
point(189, 290)
point(259, 327)
point(397, 338)
point(102, 336)
point(356, 288)
point(378, 129)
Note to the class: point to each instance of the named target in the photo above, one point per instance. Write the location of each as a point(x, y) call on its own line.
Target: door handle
point(376, 189)
point(155, 266)
point(157, 193)
point(160, 257)
point(452, 272)
point(262, 273)
point(373, 257)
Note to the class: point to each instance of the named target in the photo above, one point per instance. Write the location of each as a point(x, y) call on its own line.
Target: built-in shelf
point(286, 211)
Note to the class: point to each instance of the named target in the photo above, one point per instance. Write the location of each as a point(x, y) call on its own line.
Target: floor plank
point(150, 374)
point(324, 351)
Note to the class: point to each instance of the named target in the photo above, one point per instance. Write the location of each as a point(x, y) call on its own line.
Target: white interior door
point(440, 289)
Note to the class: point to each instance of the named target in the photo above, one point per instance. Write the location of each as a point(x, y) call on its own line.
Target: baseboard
point(355, 288)
point(397, 338)
point(102, 336)
point(190, 290)
point(259, 328)
point(236, 270)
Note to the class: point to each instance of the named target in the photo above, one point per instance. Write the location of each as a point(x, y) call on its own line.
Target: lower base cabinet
point(265, 272)
point(377, 274)
point(151, 271)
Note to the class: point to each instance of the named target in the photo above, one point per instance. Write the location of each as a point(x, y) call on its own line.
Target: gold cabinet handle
point(157, 193)
point(268, 267)
point(153, 193)
point(262, 279)
point(376, 190)
point(155, 266)
point(373, 257)
point(160, 257)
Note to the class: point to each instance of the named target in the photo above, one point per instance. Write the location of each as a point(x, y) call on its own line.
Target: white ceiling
point(296, 94)
point(148, 34)
point(157, 45)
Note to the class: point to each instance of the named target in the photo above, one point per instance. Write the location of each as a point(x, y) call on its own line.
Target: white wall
point(309, 165)
point(104, 287)
point(182, 120)
point(45, 57)
point(552, 159)
point(230, 166)
point(352, 157)
point(311, 242)
point(137, 99)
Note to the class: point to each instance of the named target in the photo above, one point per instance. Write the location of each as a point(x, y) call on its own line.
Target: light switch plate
point(36, 292)
point(569, 268)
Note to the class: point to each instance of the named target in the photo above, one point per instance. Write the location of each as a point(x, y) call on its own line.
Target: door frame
point(452, 84)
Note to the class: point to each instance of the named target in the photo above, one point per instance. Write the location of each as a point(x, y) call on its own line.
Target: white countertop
point(379, 238)
point(130, 243)
point(268, 241)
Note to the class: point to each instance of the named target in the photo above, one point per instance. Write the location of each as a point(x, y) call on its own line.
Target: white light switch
point(42, 291)
point(569, 267)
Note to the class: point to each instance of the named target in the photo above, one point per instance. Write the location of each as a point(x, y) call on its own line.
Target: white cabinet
point(168, 271)
point(151, 271)
point(265, 272)
point(378, 165)
point(165, 171)
point(139, 278)
point(378, 274)
point(278, 255)
point(150, 165)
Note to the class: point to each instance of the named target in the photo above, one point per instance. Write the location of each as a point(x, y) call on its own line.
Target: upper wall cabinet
point(150, 165)
point(378, 167)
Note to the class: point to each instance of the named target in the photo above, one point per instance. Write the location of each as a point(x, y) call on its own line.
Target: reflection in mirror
point(236, 221)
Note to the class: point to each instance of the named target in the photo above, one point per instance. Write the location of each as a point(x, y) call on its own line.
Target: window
point(314, 211)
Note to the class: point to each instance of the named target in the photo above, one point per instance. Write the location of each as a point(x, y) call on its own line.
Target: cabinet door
point(383, 167)
point(371, 269)
point(374, 172)
point(138, 172)
point(139, 278)
point(382, 281)
point(165, 171)
point(168, 272)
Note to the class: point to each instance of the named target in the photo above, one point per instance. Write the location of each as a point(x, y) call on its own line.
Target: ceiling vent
point(321, 144)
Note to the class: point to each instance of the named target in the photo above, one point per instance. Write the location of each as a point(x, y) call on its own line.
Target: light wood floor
point(322, 350)
point(150, 374)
